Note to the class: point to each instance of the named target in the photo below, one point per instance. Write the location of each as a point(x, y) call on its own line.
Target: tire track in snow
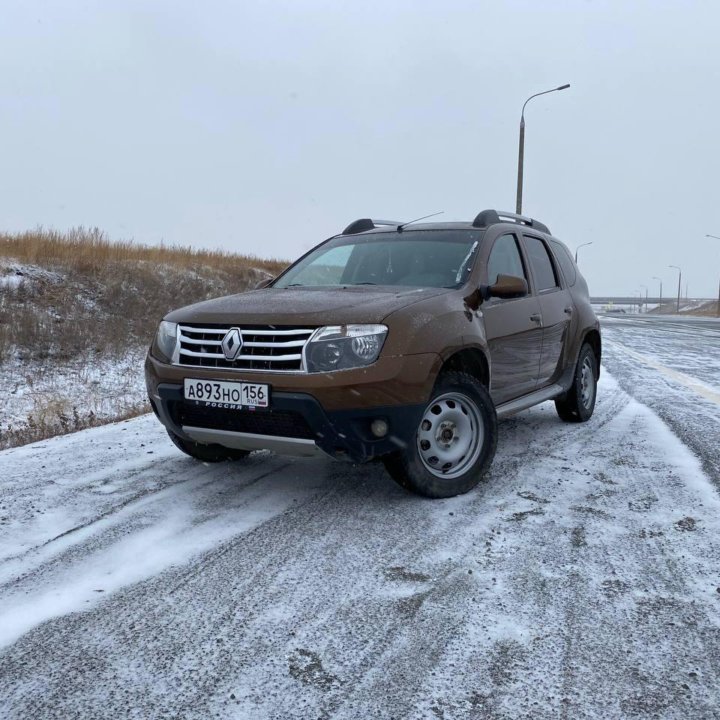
point(689, 406)
point(59, 550)
point(698, 387)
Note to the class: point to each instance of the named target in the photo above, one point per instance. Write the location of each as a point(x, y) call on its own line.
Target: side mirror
point(508, 286)
point(263, 283)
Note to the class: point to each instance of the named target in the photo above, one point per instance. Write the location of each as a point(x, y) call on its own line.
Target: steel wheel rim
point(450, 436)
point(587, 383)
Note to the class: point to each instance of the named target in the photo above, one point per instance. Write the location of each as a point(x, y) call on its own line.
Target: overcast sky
point(264, 127)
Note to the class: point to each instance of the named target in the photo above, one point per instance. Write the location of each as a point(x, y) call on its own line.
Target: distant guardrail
point(634, 300)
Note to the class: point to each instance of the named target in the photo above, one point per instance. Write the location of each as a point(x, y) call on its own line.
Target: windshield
point(421, 258)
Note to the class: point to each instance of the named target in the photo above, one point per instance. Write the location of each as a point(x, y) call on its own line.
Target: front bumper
point(329, 412)
point(342, 434)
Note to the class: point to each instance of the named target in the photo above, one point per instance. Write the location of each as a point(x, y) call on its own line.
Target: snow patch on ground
point(11, 281)
point(104, 385)
point(13, 274)
point(95, 467)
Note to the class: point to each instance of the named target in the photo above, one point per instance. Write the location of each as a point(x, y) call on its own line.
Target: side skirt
point(526, 401)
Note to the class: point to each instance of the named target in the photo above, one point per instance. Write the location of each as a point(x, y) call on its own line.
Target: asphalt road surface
point(580, 580)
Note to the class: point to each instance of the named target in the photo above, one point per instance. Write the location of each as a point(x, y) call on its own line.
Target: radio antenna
point(424, 217)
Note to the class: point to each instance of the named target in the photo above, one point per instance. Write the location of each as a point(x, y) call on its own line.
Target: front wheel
point(206, 453)
point(454, 443)
point(578, 403)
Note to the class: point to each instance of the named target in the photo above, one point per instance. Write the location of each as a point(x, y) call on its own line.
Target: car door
point(513, 326)
point(556, 307)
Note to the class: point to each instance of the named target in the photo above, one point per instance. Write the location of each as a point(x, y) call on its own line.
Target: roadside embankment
point(77, 312)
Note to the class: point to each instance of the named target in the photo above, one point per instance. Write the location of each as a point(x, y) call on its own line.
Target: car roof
point(441, 226)
point(483, 220)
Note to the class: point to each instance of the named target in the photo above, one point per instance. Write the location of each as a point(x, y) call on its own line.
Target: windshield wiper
point(365, 283)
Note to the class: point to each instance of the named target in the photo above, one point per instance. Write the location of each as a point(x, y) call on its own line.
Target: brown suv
point(390, 341)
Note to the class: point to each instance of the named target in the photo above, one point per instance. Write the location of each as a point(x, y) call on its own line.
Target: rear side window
point(505, 259)
point(541, 264)
point(567, 264)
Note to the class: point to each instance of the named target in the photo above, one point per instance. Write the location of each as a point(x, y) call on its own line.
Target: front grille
point(264, 347)
point(278, 423)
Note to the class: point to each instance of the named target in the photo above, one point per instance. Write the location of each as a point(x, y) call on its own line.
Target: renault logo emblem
point(232, 343)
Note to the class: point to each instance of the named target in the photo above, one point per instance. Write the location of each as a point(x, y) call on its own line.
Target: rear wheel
point(454, 443)
point(578, 403)
point(206, 453)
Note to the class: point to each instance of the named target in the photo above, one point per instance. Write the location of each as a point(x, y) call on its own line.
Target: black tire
point(578, 403)
point(206, 453)
point(463, 409)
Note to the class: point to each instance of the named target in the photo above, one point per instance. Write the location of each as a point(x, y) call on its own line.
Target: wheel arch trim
point(472, 359)
point(592, 337)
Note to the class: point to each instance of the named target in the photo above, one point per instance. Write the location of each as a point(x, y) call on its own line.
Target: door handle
point(568, 311)
point(536, 317)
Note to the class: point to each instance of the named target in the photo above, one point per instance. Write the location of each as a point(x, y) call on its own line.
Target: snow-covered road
point(672, 365)
point(580, 580)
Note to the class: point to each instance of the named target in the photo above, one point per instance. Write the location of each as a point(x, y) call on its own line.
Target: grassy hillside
point(76, 314)
point(703, 308)
point(66, 294)
point(707, 309)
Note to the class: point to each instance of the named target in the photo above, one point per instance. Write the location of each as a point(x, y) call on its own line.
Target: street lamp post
point(679, 279)
point(718, 307)
point(521, 150)
point(580, 246)
point(655, 277)
point(646, 295)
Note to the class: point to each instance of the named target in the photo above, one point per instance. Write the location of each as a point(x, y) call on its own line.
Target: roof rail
point(364, 224)
point(491, 217)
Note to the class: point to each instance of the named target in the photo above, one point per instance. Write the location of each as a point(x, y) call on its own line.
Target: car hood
point(301, 306)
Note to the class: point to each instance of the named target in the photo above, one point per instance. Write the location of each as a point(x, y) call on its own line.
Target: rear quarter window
point(566, 262)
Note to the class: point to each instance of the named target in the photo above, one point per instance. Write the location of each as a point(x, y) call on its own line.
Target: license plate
point(232, 395)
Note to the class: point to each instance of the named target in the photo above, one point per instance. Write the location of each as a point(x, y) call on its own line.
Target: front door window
point(505, 259)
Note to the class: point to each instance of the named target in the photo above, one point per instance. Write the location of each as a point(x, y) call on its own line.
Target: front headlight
point(341, 347)
point(166, 340)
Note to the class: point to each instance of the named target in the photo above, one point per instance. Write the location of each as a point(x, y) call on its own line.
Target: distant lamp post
point(679, 280)
point(646, 295)
point(655, 277)
point(718, 307)
point(521, 151)
point(578, 247)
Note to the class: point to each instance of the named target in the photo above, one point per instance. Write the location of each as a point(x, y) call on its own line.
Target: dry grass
point(90, 250)
point(78, 293)
point(56, 418)
point(710, 308)
point(73, 305)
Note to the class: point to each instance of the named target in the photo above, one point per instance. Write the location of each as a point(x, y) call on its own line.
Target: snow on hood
point(293, 306)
